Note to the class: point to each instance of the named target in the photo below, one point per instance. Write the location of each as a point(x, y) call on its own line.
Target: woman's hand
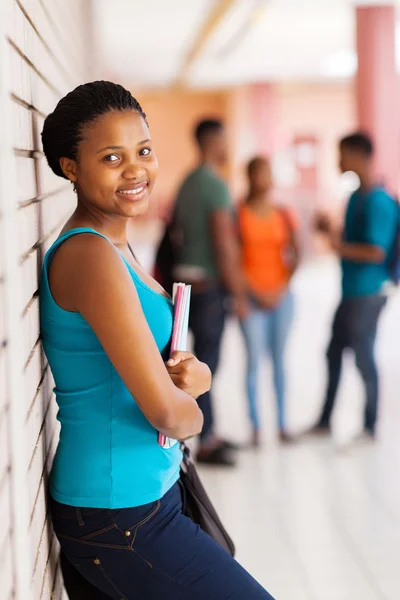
point(241, 307)
point(189, 374)
point(269, 300)
point(323, 223)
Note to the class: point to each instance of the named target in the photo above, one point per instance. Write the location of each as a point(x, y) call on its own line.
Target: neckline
point(130, 268)
point(366, 192)
point(266, 217)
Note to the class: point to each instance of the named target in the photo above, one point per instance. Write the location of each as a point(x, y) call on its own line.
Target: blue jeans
point(355, 327)
point(149, 552)
point(267, 330)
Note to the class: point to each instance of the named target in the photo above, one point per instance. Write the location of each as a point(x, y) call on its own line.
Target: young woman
point(106, 325)
point(269, 259)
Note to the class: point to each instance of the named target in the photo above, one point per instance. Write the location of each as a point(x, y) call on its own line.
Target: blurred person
point(367, 249)
point(115, 494)
point(269, 260)
point(209, 261)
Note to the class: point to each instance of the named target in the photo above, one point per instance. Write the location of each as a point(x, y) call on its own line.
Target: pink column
point(377, 88)
point(264, 106)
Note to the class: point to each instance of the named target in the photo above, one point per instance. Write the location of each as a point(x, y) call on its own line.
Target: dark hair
point(254, 163)
point(206, 128)
point(358, 142)
point(62, 130)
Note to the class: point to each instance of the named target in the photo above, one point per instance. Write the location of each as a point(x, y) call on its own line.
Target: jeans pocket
point(132, 520)
point(92, 569)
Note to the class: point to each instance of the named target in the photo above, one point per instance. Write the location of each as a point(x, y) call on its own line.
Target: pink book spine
point(178, 315)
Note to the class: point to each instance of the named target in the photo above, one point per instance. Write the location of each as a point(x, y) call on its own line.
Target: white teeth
point(134, 192)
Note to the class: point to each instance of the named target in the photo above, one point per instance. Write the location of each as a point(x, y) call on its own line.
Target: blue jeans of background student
point(150, 552)
point(355, 327)
point(267, 331)
point(207, 320)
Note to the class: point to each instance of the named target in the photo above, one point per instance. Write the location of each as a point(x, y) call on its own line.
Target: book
point(181, 298)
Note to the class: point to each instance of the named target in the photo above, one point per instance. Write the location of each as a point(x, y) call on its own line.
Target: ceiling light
point(340, 65)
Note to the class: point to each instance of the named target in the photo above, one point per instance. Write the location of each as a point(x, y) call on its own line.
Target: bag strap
point(361, 216)
point(187, 455)
point(132, 252)
point(284, 214)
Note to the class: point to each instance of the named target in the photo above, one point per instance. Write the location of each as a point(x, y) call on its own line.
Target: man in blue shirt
point(367, 250)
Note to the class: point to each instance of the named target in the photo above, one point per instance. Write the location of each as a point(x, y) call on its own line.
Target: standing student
point(269, 259)
point(209, 261)
point(367, 250)
point(116, 498)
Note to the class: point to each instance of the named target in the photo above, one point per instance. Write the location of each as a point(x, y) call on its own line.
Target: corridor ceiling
point(218, 43)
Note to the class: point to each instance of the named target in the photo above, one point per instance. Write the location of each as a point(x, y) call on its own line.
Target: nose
point(134, 171)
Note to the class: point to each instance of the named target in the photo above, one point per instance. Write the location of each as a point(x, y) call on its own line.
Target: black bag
point(394, 252)
point(167, 256)
point(198, 506)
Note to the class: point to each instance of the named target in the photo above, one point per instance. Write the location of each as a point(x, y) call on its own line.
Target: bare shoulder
point(84, 251)
point(84, 264)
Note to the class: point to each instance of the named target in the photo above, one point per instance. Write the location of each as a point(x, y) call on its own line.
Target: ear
point(69, 168)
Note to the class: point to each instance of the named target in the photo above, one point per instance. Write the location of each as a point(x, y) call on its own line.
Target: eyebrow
point(121, 147)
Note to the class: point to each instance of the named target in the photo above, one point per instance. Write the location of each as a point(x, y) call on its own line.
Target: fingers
point(179, 356)
point(185, 366)
point(182, 381)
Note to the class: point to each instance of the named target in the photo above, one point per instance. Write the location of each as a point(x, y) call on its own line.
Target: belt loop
point(79, 517)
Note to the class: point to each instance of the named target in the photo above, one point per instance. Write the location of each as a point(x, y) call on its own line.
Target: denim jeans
point(207, 320)
point(355, 327)
point(267, 330)
point(150, 552)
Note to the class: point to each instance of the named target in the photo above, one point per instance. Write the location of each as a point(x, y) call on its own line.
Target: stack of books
point(181, 299)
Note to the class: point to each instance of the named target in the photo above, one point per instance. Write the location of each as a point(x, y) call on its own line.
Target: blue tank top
point(108, 455)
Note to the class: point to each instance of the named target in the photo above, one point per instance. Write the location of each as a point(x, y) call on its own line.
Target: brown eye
point(145, 152)
point(111, 158)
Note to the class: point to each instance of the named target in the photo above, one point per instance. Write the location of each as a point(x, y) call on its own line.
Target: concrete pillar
point(377, 88)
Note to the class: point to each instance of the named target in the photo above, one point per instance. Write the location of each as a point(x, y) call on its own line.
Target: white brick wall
point(44, 53)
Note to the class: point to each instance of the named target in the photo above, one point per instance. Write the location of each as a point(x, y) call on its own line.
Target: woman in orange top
point(269, 259)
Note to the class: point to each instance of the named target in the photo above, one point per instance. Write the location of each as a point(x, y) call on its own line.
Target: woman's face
point(116, 167)
point(261, 177)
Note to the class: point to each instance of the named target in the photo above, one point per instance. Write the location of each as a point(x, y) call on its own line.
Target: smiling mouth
point(134, 191)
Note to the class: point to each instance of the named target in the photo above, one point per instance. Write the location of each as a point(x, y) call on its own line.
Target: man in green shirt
point(209, 261)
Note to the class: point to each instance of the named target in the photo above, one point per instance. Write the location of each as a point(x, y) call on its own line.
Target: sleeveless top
point(108, 455)
point(265, 243)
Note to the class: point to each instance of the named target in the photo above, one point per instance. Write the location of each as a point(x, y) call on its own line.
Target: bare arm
point(227, 251)
point(361, 253)
point(101, 289)
point(295, 247)
point(357, 252)
point(352, 251)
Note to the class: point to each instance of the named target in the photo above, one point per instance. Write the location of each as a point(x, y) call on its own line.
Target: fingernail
point(170, 362)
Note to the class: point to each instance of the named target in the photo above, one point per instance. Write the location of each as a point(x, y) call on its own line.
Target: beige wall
point(44, 54)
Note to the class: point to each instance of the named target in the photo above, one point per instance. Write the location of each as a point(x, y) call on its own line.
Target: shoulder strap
point(283, 212)
point(132, 252)
point(237, 220)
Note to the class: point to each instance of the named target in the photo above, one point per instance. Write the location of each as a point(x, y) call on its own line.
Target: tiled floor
point(317, 521)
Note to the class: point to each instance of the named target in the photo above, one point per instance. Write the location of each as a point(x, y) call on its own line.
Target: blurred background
point(288, 78)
